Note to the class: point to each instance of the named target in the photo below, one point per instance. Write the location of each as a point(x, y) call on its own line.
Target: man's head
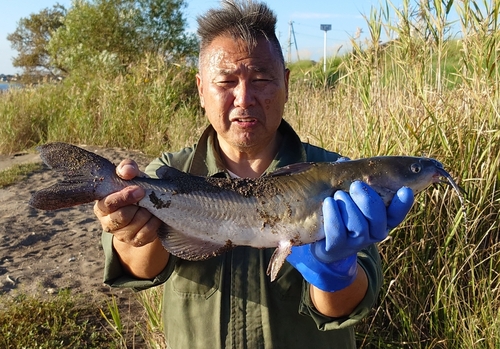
point(246, 21)
point(242, 82)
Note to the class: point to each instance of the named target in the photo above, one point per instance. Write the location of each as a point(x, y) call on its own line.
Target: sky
point(345, 18)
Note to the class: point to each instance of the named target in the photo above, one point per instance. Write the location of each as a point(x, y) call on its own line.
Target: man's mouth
point(245, 120)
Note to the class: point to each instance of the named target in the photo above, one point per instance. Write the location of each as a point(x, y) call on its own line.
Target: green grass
point(65, 321)
point(424, 94)
point(17, 173)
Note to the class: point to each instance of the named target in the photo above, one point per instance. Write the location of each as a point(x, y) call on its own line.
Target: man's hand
point(134, 228)
point(352, 222)
point(120, 216)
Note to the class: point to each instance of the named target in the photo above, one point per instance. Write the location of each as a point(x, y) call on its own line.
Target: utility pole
point(325, 28)
point(289, 51)
point(295, 42)
point(290, 33)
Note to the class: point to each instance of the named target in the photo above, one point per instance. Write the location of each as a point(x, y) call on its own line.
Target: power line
point(318, 37)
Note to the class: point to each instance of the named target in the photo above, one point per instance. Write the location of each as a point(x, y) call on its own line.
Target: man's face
point(243, 93)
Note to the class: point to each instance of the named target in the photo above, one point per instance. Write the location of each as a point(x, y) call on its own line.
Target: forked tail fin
point(87, 177)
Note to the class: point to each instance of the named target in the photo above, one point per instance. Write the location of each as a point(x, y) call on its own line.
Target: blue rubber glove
point(352, 222)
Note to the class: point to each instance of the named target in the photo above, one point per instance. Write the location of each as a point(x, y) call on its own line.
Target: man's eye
point(262, 77)
point(262, 81)
point(225, 82)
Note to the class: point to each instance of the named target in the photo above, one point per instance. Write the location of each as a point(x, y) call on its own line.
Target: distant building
point(8, 78)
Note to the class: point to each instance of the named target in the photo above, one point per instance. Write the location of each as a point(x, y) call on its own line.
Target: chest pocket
point(199, 279)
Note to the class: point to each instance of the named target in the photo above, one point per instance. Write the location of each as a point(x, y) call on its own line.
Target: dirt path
point(42, 252)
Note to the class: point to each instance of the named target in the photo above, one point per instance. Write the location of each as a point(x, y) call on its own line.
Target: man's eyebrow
point(253, 68)
point(260, 69)
point(223, 71)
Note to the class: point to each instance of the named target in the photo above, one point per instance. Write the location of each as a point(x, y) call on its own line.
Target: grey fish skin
point(206, 216)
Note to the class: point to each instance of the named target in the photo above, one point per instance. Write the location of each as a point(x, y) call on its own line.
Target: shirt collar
point(207, 161)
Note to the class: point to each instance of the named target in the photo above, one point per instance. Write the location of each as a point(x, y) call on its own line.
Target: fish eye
point(415, 168)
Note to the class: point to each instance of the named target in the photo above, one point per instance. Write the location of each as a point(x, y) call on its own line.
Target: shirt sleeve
point(369, 260)
point(116, 276)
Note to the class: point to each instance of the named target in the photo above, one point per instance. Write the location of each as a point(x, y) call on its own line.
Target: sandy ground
point(42, 252)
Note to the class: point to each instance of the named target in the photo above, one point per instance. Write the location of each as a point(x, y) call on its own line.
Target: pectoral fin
point(278, 258)
point(188, 247)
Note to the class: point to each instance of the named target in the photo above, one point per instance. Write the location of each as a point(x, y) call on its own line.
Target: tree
point(111, 34)
point(31, 37)
point(160, 26)
point(94, 35)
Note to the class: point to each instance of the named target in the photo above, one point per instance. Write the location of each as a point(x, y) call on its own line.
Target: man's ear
point(199, 84)
point(287, 79)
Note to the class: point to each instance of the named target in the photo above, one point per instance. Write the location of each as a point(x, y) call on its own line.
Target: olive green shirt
point(228, 301)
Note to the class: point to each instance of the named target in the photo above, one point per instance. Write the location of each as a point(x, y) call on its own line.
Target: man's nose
point(244, 94)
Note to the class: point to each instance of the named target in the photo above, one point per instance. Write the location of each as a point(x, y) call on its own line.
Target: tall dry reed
point(414, 96)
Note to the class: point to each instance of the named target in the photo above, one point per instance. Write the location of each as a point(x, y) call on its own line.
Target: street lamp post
point(325, 28)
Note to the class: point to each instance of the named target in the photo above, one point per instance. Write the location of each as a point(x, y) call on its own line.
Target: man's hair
point(240, 19)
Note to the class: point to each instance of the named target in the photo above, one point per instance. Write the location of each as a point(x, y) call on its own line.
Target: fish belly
point(222, 217)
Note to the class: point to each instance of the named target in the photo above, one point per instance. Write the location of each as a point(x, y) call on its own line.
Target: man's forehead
point(228, 53)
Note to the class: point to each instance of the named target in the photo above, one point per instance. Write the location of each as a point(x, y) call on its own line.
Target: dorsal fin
point(292, 169)
point(167, 172)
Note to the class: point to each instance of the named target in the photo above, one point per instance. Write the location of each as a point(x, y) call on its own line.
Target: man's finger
point(354, 220)
point(140, 230)
point(128, 169)
point(400, 206)
point(335, 230)
point(372, 207)
point(127, 196)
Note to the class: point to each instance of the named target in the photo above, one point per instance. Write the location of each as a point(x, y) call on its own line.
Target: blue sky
point(344, 16)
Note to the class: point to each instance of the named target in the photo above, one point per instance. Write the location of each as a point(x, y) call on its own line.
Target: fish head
point(415, 173)
point(387, 174)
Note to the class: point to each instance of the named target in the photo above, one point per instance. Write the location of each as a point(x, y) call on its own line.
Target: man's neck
point(250, 163)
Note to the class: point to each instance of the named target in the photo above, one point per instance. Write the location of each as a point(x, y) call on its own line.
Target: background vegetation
point(66, 321)
point(424, 92)
point(100, 37)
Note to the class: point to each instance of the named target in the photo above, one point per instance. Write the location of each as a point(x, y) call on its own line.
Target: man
point(228, 301)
